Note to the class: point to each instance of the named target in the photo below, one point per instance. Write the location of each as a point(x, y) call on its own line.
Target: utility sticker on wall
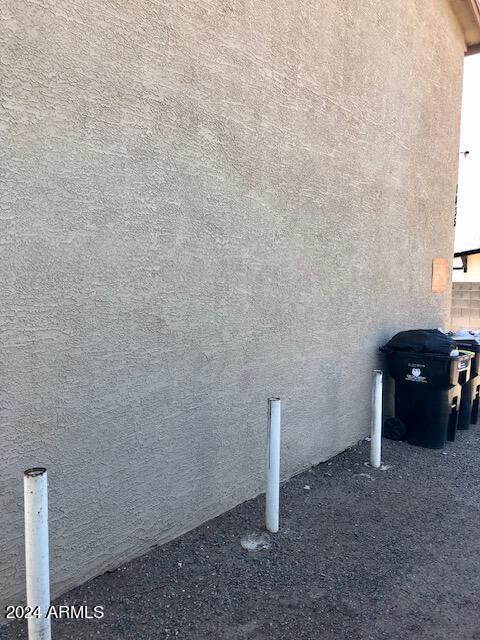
point(440, 275)
point(415, 376)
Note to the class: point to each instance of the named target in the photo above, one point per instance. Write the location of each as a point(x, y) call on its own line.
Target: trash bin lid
point(465, 334)
point(473, 340)
point(422, 341)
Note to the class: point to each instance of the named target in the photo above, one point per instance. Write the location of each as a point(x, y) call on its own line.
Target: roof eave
point(468, 252)
point(472, 50)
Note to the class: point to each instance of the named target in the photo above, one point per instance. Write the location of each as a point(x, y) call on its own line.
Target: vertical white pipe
point(376, 435)
point(272, 499)
point(36, 551)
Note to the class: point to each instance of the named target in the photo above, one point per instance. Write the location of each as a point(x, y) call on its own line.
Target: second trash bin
point(471, 390)
point(428, 383)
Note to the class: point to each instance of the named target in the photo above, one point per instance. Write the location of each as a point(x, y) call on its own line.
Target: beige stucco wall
point(204, 204)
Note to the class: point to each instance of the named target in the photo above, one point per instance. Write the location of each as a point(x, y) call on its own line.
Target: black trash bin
point(468, 413)
point(427, 385)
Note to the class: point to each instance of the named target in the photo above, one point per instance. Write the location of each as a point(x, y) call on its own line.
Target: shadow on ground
point(361, 555)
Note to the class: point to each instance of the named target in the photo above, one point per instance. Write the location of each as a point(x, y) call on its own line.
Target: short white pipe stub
point(272, 498)
point(376, 429)
point(36, 552)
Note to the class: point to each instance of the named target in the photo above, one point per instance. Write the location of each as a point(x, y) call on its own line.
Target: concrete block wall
point(465, 305)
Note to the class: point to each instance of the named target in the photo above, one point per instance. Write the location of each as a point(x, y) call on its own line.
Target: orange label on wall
point(440, 275)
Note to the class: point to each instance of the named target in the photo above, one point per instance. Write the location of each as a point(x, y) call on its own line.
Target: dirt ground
point(361, 555)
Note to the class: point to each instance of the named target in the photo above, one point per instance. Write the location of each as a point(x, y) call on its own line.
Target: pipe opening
point(34, 472)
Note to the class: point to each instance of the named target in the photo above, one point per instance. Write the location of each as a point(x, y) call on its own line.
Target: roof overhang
point(469, 252)
point(468, 15)
point(463, 255)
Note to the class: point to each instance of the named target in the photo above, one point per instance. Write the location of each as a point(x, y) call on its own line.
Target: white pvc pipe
point(376, 435)
point(272, 500)
point(36, 551)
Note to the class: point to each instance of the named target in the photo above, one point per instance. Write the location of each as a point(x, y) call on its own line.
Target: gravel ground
point(361, 554)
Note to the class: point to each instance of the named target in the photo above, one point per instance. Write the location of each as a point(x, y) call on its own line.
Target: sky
point(467, 232)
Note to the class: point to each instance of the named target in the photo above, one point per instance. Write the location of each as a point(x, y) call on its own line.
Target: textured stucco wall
point(204, 204)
